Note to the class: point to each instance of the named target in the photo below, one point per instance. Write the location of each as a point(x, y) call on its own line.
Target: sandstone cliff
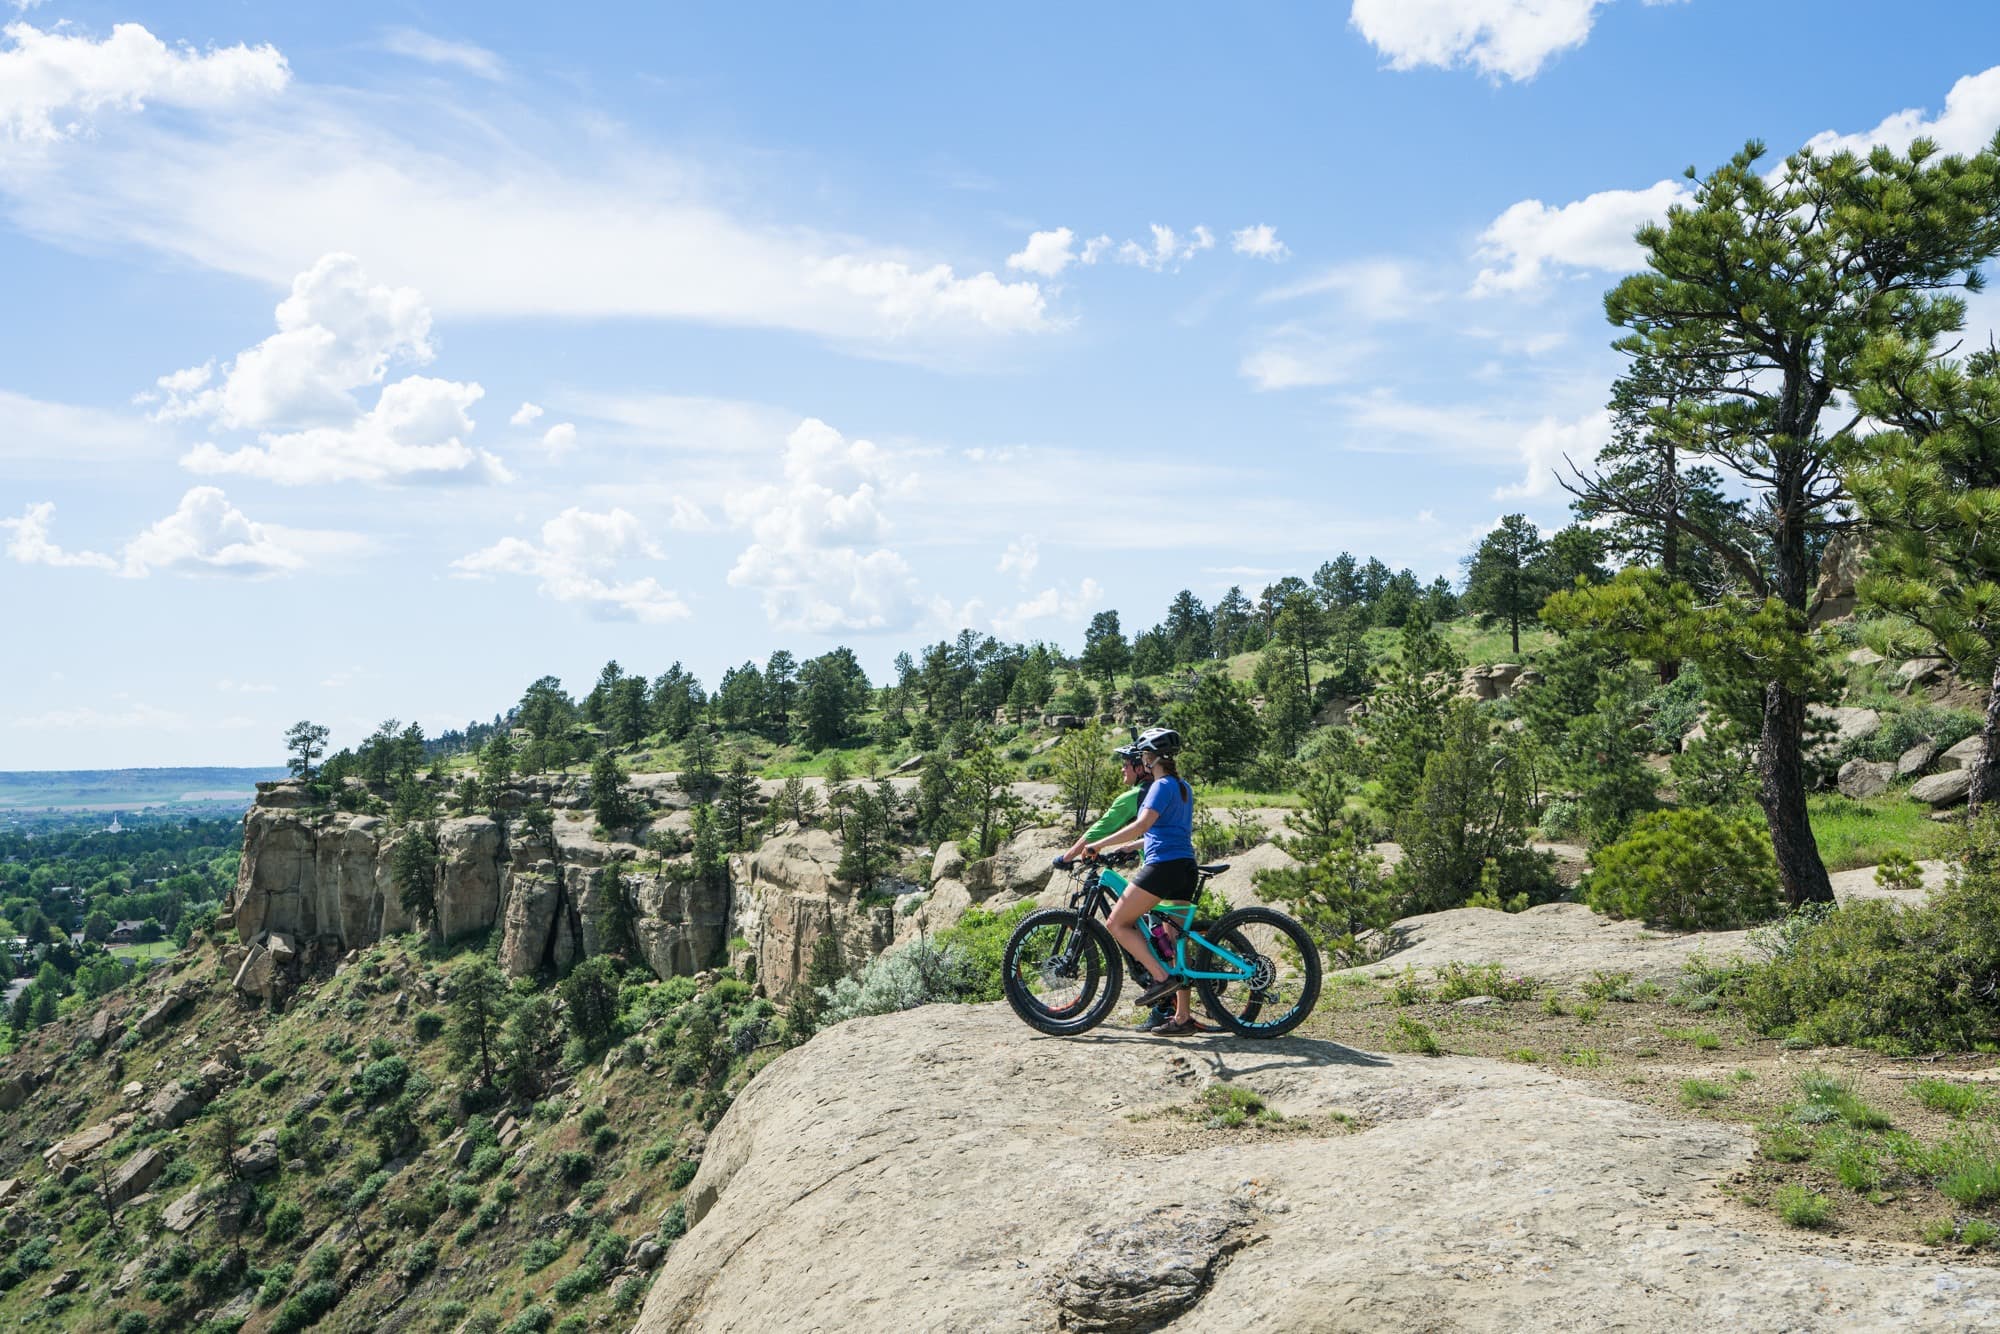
point(944, 1168)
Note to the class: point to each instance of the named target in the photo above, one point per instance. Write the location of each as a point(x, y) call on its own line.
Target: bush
point(305, 1309)
point(533, 1320)
point(682, 1174)
point(428, 1023)
point(981, 937)
point(1898, 978)
point(382, 1078)
point(579, 1283)
point(285, 1221)
point(1801, 1208)
point(919, 973)
point(1689, 869)
point(540, 1254)
point(1911, 726)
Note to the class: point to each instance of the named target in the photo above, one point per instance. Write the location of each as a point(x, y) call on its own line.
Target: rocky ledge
point(945, 1168)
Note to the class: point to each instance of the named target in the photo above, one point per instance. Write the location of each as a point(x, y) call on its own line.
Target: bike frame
point(1104, 886)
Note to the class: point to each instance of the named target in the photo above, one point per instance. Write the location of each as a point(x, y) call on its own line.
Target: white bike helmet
point(1161, 740)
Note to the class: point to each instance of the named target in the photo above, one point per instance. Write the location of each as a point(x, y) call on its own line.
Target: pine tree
point(590, 1002)
point(1502, 582)
point(618, 917)
point(1931, 488)
point(609, 795)
point(478, 1008)
point(864, 843)
point(1771, 285)
point(1220, 732)
point(414, 868)
point(1105, 652)
point(983, 785)
point(736, 802)
point(1405, 723)
point(1336, 890)
point(1083, 771)
point(307, 742)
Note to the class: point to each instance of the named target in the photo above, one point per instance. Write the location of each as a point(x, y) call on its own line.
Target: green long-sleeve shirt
point(1118, 814)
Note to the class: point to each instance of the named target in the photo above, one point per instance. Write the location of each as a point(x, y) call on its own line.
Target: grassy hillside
point(401, 1200)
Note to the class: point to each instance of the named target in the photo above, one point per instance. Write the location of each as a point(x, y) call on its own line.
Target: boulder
point(1839, 569)
point(9, 1189)
point(259, 973)
point(1848, 726)
point(1020, 869)
point(135, 1174)
point(1864, 657)
point(85, 1144)
point(14, 1091)
point(1916, 671)
point(1699, 732)
point(644, 1254)
point(283, 950)
point(183, 1213)
point(890, 1151)
point(1964, 755)
point(1860, 779)
point(172, 1106)
point(1917, 760)
point(1942, 789)
point(259, 1157)
point(163, 1010)
point(286, 794)
point(949, 864)
point(105, 1028)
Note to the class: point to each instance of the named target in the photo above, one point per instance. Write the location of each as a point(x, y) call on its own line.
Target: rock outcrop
point(795, 899)
point(944, 1168)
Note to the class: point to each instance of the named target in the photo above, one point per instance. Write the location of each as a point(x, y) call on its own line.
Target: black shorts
point(1173, 880)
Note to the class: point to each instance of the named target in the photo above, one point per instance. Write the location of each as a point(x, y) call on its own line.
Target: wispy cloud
point(433, 50)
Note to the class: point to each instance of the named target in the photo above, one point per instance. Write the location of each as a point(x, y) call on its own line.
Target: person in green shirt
point(1123, 810)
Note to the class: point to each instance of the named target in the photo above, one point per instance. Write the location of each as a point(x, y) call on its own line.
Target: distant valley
point(130, 789)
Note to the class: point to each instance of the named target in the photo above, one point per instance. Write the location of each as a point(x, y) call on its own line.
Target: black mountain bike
point(1256, 970)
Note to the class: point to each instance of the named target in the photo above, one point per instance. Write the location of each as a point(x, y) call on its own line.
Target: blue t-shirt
point(1171, 837)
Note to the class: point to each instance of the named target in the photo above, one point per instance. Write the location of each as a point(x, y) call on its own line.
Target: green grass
point(1587, 1058)
point(1524, 1055)
point(1860, 833)
point(1702, 1093)
point(1417, 1037)
point(1828, 1099)
point(1801, 1208)
point(158, 949)
point(1701, 1038)
point(1941, 1095)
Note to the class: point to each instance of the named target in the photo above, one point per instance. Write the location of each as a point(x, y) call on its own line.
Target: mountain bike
point(1256, 970)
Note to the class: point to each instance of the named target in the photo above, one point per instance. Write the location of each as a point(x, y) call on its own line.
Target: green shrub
point(578, 1283)
point(1941, 1095)
point(1459, 981)
point(673, 1223)
point(323, 1263)
point(1801, 1208)
point(284, 1222)
point(533, 1320)
point(1701, 1092)
point(540, 1254)
point(417, 1261)
point(682, 1174)
point(133, 1322)
point(592, 1118)
point(486, 1160)
point(428, 1023)
point(1688, 869)
point(1417, 1037)
point(604, 1140)
point(382, 1078)
point(271, 1083)
point(306, 1307)
point(1899, 978)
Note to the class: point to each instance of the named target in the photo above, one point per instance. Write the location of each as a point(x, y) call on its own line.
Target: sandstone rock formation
point(943, 1168)
point(1943, 789)
point(1861, 779)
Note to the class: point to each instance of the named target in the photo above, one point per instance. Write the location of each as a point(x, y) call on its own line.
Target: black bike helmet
point(1129, 754)
point(1161, 740)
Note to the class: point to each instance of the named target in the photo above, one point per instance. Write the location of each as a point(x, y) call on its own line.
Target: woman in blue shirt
point(1166, 824)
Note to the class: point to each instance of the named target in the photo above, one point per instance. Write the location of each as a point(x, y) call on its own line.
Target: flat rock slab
point(1567, 942)
point(947, 1169)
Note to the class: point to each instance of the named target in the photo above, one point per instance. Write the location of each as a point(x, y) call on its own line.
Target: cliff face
point(316, 883)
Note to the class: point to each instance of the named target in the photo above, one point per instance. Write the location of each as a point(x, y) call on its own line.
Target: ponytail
point(1173, 772)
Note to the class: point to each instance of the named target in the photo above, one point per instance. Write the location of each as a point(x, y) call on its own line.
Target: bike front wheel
point(1282, 984)
point(1060, 972)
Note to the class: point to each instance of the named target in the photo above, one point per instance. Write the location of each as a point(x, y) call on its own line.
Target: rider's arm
point(1115, 817)
point(1131, 833)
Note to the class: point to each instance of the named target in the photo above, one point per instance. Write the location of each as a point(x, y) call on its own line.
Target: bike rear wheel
point(1060, 972)
point(1284, 984)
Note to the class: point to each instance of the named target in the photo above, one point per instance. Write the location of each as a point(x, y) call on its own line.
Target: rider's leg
point(1124, 926)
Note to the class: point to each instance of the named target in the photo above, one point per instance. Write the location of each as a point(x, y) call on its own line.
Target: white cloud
point(337, 332)
point(1514, 38)
point(204, 535)
point(1046, 253)
point(128, 716)
point(525, 415)
point(1259, 242)
point(413, 433)
point(433, 50)
point(1545, 445)
point(1295, 356)
point(1970, 117)
point(1049, 604)
point(559, 439)
point(245, 687)
point(1594, 233)
point(52, 81)
point(1020, 559)
point(813, 552)
point(436, 193)
point(31, 544)
point(689, 517)
point(578, 549)
point(1375, 290)
point(1168, 248)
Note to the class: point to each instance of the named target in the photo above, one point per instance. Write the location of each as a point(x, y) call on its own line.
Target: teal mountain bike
point(1256, 970)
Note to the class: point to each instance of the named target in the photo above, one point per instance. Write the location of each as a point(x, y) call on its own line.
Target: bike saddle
point(1213, 868)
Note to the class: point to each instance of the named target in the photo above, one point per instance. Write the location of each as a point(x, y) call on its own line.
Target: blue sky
point(370, 361)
